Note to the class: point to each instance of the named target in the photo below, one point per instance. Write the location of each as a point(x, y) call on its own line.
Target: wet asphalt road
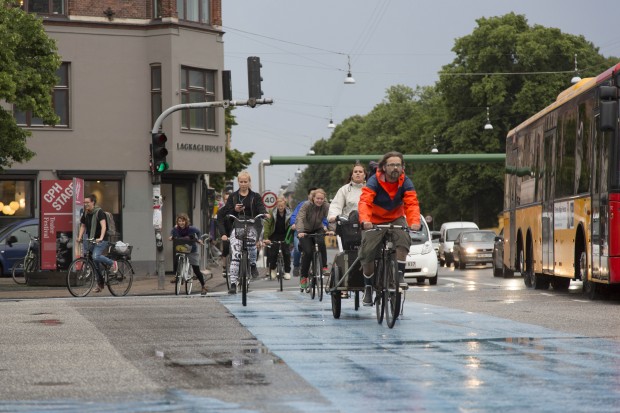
point(473, 343)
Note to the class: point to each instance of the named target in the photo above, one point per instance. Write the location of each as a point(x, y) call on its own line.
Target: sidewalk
point(142, 285)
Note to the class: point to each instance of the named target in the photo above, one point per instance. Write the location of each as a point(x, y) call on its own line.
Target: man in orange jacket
point(388, 197)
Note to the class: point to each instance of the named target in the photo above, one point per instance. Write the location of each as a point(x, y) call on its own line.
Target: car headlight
point(427, 248)
point(470, 250)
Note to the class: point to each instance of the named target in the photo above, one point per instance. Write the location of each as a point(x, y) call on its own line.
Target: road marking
point(468, 282)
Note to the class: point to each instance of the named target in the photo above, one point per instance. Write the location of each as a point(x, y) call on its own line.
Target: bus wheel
point(540, 281)
point(560, 283)
point(527, 277)
point(590, 289)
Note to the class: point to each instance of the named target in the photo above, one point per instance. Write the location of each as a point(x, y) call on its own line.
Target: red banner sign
point(59, 200)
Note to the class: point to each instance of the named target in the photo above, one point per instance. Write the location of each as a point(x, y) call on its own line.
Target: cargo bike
point(347, 280)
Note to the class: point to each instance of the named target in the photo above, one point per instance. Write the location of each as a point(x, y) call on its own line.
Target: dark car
point(14, 242)
point(499, 269)
point(473, 247)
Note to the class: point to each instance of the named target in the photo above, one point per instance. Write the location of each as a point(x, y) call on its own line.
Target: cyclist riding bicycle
point(388, 197)
point(245, 204)
point(276, 227)
point(311, 220)
point(93, 225)
point(183, 229)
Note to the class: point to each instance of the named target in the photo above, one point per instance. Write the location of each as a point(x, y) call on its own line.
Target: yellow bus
point(561, 214)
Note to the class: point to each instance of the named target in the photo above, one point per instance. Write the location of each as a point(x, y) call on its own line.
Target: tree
point(28, 65)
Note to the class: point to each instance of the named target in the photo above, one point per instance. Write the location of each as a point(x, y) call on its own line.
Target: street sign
point(269, 199)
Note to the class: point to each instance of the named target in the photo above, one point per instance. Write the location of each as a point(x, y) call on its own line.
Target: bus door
point(512, 188)
point(547, 202)
point(600, 166)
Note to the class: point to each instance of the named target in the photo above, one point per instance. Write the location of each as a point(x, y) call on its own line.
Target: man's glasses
point(394, 165)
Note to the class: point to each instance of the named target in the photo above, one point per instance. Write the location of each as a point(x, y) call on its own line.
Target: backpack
point(110, 232)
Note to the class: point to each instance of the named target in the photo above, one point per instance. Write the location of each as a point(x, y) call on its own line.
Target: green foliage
point(505, 64)
point(28, 64)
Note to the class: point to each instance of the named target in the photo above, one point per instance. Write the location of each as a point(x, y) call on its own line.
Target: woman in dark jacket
point(310, 220)
point(245, 204)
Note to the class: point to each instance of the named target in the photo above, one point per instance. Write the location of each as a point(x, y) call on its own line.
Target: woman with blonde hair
point(276, 228)
point(244, 204)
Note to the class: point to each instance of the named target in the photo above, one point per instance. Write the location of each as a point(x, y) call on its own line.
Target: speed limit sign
point(269, 199)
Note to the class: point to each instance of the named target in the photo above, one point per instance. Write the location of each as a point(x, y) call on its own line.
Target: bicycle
point(82, 272)
point(279, 262)
point(315, 281)
point(211, 253)
point(244, 263)
point(388, 291)
point(29, 264)
point(183, 248)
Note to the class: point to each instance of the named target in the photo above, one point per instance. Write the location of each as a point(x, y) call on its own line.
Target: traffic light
point(254, 79)
point(159, 152)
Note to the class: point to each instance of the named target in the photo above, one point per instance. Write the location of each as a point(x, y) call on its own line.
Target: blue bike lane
point(435, 359)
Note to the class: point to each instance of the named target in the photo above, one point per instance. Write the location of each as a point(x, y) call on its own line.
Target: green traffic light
point(162, 166)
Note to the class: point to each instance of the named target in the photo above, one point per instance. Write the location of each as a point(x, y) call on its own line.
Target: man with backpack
point(93, 224)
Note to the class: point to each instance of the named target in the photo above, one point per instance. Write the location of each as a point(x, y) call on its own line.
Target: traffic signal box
point(254, 78)
point(159, 153)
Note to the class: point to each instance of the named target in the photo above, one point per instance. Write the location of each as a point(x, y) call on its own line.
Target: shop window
point(16, 198)
point(108, 195)
point(44, 6)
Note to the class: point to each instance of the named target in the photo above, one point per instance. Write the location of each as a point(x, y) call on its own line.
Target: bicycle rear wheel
point(244, 272)
point(180, 274)
point(335, 294)
point(19, 273)
point(81, 277)
point(391, 293)
point(227, 271)
point(120, 283)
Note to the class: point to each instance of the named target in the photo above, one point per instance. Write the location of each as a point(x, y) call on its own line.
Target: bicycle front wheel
point(178, 279)
point(244, 273)
point(319, 286)
point(81, 277)
point(391, 293)
point(119, 284)
point(316, 273)
point(280, 272)
point(19, 273)
point(379, 297)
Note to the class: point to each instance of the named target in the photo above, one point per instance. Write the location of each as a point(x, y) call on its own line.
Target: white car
point(422, 259)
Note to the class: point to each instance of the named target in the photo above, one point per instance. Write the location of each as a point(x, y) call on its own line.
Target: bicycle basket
point(182, 246)
point(122, 249)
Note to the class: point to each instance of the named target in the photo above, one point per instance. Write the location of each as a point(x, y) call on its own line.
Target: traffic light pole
point(157, 198)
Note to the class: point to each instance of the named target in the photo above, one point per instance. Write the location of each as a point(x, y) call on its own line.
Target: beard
point(394, 175)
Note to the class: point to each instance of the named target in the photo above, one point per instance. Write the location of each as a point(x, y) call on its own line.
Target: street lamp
point(488, 125)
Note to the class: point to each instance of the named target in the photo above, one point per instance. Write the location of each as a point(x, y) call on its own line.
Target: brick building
point(123, 61)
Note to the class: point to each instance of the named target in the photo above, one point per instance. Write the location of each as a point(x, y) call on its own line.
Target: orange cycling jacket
point(378, 204)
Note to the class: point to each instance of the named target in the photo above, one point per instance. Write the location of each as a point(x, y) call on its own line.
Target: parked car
point(473, 247)
point(435, 235)
point(447, 234)
point(421, 261)
point(14, 242)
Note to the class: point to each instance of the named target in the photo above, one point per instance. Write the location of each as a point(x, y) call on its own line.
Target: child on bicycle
point(276, 227)
point(245, 204)
point(311, 220)
point(184, 230)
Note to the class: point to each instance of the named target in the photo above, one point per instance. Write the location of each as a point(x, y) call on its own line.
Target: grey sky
point(304, 48)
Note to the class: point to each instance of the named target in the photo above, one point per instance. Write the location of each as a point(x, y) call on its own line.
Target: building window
point(44, 6)
point(60, 100)
point(156, 105)
point(194, 10)
point(198, 86)
point(157, 9)
point(16, 198)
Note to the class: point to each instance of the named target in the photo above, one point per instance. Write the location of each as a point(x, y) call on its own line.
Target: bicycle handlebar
point(247, 220)
point(32, 237)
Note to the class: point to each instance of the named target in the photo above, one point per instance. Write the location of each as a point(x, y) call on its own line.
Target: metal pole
point(432, 158)
point(261, 175)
